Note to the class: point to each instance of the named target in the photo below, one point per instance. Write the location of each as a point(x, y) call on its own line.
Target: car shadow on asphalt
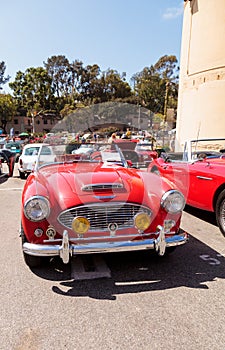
point(3, 178)
point(193, 265)
point(202, 214)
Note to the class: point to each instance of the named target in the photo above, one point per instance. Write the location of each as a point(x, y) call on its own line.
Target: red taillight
point(21, 162)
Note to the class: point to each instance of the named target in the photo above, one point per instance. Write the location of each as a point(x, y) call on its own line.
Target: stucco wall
point(201, 103)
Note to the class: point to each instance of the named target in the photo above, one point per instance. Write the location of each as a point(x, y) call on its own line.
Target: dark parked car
point(15, 147)
point(8, 157)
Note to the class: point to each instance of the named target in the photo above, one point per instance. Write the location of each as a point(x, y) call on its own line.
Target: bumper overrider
point(65, 250)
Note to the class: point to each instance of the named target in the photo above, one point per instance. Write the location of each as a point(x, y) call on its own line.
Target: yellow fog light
point(80, 225)
point(142, 221)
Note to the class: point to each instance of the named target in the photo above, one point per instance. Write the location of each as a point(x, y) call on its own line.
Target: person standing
point(10, 160)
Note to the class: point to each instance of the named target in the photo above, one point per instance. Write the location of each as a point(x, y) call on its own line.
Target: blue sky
point(125, 35)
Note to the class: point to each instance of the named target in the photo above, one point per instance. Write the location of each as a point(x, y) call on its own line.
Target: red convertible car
point(94, 204)
point(199, 174)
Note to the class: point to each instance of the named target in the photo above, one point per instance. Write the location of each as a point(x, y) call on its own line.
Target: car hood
point(69, 185)
point(82, 179)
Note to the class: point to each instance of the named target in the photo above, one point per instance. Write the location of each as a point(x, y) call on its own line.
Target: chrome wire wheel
point(220, 212)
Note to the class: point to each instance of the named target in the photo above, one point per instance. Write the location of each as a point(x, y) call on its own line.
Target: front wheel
point(22, 175)
point(220, 212)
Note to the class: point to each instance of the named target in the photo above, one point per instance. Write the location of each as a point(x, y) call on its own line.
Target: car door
point(203, 183)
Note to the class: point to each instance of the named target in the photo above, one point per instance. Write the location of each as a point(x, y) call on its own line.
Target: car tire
point(22, 175)
point(31, 260)
point(220, 212)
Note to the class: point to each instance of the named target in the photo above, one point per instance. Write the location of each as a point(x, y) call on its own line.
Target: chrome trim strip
point(128, 237)
point(204, 178)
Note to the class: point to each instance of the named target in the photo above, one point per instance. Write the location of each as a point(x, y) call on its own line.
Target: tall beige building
point(201, 103)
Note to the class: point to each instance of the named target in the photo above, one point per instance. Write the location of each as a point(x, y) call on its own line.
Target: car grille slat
point(101, 215)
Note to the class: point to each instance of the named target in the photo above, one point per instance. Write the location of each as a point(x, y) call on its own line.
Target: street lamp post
point(33, 126)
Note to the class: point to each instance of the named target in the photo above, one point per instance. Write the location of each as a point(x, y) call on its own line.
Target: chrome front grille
point(101, 215)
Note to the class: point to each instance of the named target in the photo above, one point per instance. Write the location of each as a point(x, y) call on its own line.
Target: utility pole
point(166, 102)
point(139, 117)
point(165, 110)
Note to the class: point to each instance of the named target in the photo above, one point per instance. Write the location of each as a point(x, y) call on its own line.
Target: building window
point(45, 121)
point(16, 121)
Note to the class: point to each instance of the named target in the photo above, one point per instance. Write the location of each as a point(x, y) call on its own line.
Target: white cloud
point(173, 12)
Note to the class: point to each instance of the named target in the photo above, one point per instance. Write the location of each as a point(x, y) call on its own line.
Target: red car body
point(94, 206)
point(199, 175)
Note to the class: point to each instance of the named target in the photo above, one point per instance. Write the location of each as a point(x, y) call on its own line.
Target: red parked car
point(133, 152)
point(199, 174)
point(97, 203)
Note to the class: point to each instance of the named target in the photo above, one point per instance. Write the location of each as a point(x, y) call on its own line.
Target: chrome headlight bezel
point(37, 208)
point(173, 201)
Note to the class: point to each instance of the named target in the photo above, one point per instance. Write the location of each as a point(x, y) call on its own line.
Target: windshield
point(12, 145)
point(74, 153)
point(144, 147)
point(203, 148)
point(31, 151)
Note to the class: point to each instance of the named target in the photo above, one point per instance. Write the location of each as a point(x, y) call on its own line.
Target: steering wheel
point(202, 156)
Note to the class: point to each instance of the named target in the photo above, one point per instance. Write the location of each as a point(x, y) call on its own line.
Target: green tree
point(3, 79)
point(89, 83)
point(158, 84)
point(97, 87)
point(7, 110)
point(114, 86)
point(76, 71)
point(32, 90)
point(59, 69)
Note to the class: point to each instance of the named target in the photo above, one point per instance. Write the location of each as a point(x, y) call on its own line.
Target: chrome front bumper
point(65, 250)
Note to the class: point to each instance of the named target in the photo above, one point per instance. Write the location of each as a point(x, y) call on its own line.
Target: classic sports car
point(73, 205)
point(199, 175)
point(29, 156)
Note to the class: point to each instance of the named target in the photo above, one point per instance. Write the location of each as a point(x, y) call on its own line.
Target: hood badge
point(112, 228)
point(50, 232)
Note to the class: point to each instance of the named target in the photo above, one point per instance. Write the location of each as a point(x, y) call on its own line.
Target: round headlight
point(142, 221)
point(173, 201)
point(80, 225)
point(37, 208)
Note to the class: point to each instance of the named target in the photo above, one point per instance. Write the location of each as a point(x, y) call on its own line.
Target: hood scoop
point(99, 187)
